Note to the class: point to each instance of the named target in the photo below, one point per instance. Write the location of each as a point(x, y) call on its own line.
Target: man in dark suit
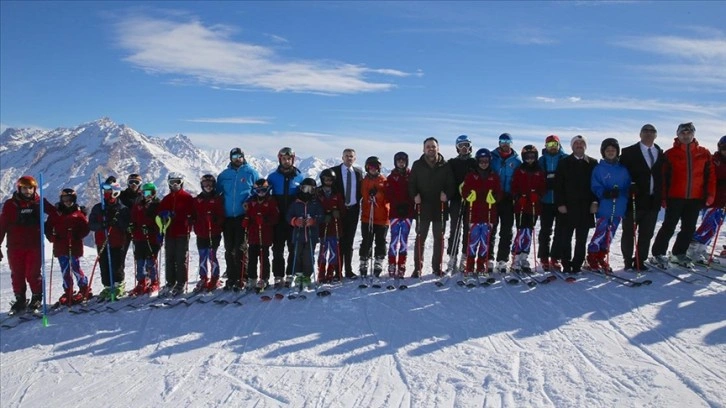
point(348, 184)
point(644, 161)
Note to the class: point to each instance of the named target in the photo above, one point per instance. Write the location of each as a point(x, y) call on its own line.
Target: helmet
point(483, 153)
point(148, 189)
point(722, 141)
point(261, 186)
point(286, 151)
point(686, 126)
point(133, 178)
point(68, 192)
point(26, 181)
point(373, 160)
point(462, 139)
point(400, 155)
point(236, 151)
point(330, 173)
point(309, 182)
point(529, 150)
point(307, 186)
point(505, 138)
point(609, 142)
point(114, 189)
point(175, 178)
point(208, 177)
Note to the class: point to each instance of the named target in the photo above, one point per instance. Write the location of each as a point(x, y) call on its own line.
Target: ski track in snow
point(593, 343)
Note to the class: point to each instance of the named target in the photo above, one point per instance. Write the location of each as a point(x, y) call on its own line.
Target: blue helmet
point(483, 153)
point(463, 139)
point(722, 141)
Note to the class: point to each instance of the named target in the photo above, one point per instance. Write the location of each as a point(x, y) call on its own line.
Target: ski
point(210, 296)
point(624, 281)
point(442, 279)
point(709, 277)
point(527, 280)
point(716, 266)
point(673, 275)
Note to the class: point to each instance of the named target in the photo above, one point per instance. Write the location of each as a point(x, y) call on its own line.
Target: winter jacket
point(334, 205)
point(65, 228)
point(400, 203)
point(482, 182)
point(210, 215)
point(284, 185)
point(20, 221)
point(461, 166)
point(306, 209)
point(235, 185)
point(262, 215)
point(688, 172)
point(528, 186)
point(572, 189)
point(129, 197)
point(605, 177)
point(114, 219)
point(143, 222)
point(548, 162)
point(429, 181)
point(376, 185)
point(505, 167)
point(719, 162)
point(179, 206)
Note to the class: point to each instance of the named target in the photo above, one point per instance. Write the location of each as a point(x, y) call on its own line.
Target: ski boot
point(119, 290)
point(697, 252)
point(83, 294)
point(502, 266)
point(36, 303)
point(545, 264)
point(105, 294)
point(177, 290)
point(593, 262)
point(278, 283)
point(213, 284)
point(140, 288)
point(661, 261)
point(555, 265)
point(202, 285)
point(19, 305)
point(378, 266)
point(524, 263)
point(682, 260)
point(363, 267)
point(153, 287)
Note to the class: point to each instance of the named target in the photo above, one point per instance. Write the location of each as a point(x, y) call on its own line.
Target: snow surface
point(594, 343)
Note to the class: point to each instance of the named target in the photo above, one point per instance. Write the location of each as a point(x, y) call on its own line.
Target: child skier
point(400, 215)
point(334, 206)
point(528, 185)
point(109, 222)
point(209, 207)
point(66, 227)
point(176, 215)
point(374, 217)
point(305, 215)
point(261, 217)
point(714, 217)
point(609, 182)
point(145, 235)
point(481, 190)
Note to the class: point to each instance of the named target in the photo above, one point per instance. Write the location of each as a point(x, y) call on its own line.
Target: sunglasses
point(552, 144)
point(134, 182)
point(236, 156)
point(306, 189)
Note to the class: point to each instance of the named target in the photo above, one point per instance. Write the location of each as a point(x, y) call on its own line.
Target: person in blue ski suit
point(549, 256)
point(305, 215)
point(235, 185)
point(505, 161)
point(610, 182)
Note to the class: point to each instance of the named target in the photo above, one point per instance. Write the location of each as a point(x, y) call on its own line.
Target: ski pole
point(443, 235)
point(322, 255)
point(490, 201)
point(419, 244)
point(635, 235)
point(371, 232)
point(42, 251)
point(534, 241)
point(69, 289)
point(337, 245)
point(262, 275)
point(108, 247)
point(609, 231)
point(454, 250)
point(715, 239)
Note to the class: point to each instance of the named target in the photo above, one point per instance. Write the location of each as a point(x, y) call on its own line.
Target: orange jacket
point(689, 172)
point(376, 185)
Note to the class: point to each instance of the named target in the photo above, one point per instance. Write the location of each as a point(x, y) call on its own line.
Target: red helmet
point(26, 181)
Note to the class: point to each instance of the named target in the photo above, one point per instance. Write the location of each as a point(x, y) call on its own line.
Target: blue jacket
point(548, 162)
point(505, 168)
point(236, 185)
point(310, 209)
point(284, 187)
point(605, 176)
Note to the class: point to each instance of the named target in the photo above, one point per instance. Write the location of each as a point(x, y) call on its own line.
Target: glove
point(615, 192)
point(562, 209)
point(244, 246)
point(417, 199)
point(443, 197)
point(309, 222)
point(372, 192)
point(663, 203)
point(402, 210)
point(593, 207)
point(461, 188)
point(533, 197)
point(633, 189)
point(245, 222)
point(259, 219)
point(550, 181)
point(709, 200)
point(336, 214)
point(166, 214)
point(130, 228)
point(471, 197)
point(296, 222)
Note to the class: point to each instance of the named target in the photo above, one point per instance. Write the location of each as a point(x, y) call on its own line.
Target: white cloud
point(628, 104)
point(231, 120)
point(209, 55)
point(545, 99)
point(574, 99)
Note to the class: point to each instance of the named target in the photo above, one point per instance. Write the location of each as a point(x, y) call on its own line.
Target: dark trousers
point(459, 215)
point(302, 255)
point(685, 211)
point(233, 234)
point(549, 221)
point(349, 223)
point(439, 229)
point(375, 234)
point(505, 212)
point(645, 221)
point(254, 256)
point(570, 261)
point(282, 238)
point(176, 260)
point(116, 266)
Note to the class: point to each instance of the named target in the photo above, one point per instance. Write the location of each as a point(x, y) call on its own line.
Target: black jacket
point(340, 171)
point(633, 160)
point(572, 189)
point(429, 182)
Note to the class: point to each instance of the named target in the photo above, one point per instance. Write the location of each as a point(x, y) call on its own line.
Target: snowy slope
point(593, 343)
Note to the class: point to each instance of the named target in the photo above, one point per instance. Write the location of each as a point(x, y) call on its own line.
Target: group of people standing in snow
point(479, 193)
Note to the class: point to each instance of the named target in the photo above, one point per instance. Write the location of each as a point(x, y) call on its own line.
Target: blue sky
point(376, 76)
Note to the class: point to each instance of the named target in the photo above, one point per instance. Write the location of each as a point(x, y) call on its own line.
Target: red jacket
point(65, 228)
point(331, 202)
point(482, 183)
point(261, 216)
point(20, 221)
point(180, 206)
point(719, 163)
point(689, 172)
point(143, 222)
point(380, 210)
point(528, 186)
point(401, 204)
point(210, 215)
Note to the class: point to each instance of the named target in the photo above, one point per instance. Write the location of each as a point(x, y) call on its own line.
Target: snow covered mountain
point(73, 158)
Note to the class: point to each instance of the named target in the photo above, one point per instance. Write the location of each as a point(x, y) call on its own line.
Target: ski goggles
point(307, 189)
point(235, 156)
point(261, 190)
point(134, 182)
point(463, 145)
point(552, 144)
point(175, 182)
point(148, 193)
point(505, 141)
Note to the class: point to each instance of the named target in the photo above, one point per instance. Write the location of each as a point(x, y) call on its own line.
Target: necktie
point(348, 182)
point(650, 155)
